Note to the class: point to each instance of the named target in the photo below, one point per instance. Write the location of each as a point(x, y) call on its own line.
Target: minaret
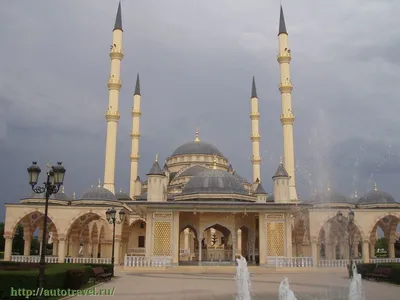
point(135, 135)
point(255, 134)
point(112, 113)
point(287, 116)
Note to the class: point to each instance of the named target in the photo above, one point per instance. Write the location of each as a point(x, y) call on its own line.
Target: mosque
point(197, 209)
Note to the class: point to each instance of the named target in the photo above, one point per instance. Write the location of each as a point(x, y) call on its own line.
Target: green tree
point(382, 243)
point(214, 239)
point(18, 240)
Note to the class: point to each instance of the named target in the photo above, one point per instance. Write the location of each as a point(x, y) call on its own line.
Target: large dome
point(197, 147)
point(377, 197)
point(214, 182)
point(192, 171)
point(329, 197)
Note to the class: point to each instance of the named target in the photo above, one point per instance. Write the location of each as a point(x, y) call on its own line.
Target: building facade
point(197, 209)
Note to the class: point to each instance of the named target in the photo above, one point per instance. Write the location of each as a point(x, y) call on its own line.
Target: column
point(61, 250)
point(149, 234)
point(239, 241)
point(95, 249)
point(372, 249)
point(117, 246)
point(355, 251)
point(55, 247)
point(253, 249)
point(288, 234)
point(27, 245)
point(314, 250)
point(233, 246)
point(200, 237)
point(365, 250)
point(262, 237)
point(8, 248)
point(391, 251)
point(175, 237)
point(186, 241)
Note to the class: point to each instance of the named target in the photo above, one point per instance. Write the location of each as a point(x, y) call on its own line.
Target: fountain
point(243, 282)
point(285, 293)
point(356, 291)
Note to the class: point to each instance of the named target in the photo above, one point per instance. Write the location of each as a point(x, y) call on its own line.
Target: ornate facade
point(198, 209)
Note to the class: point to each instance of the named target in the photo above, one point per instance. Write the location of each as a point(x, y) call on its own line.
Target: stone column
point(55, 247)
point(365, 250)
point(117, 251)
point(391, 251)
point(8, 248)
point(355, 251)
point(200, 237)
point(27, 245)
point(314, 250)
point(233, 247)
point(95, 249)
point(262, 237)
point(149, 234)
point(61, 250)
point(186, 236)
point(239, 241)
point(372, 248)
point(175, 239)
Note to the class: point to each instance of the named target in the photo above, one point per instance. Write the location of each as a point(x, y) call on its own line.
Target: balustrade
point(148, 262)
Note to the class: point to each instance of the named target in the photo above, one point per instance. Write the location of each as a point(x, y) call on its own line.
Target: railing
point(137, 251)
point(384, 260)
point(294, 262)
point(148, 262)
point(336, 263)
point(33, 259)
point(184, 252)
point(87, 260)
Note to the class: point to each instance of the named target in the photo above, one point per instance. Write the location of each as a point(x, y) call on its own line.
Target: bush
point(61, 276)
point(1, 255)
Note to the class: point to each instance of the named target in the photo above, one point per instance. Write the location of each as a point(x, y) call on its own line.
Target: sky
point(196, 61)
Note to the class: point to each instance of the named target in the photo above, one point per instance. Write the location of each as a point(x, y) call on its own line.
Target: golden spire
point(156, 157)
point(375, 187)
point(281, 160)
point(215, 162)
point(99, 184)
point(62, 190)
point(197, 135)
point(73, 195)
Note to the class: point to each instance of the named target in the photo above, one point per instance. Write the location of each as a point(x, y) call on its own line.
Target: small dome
point(193, 171)
point(329, 197)
point(98, 193)
point(214, 182)
point(377, 197)
point(121, 195)
point(197, 147)
point(57, 196)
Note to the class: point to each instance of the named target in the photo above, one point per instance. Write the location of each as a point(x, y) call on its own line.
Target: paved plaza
point(219, 284)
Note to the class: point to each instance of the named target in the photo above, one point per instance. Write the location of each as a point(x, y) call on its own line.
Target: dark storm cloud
point(196, 61)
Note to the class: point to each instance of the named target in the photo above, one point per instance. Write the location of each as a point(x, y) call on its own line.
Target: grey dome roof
point(98, 193)
point(243, 180)
point(197, 147)
point(193, 171)
point(58, 196)
point(214, 182)
point(329, 196)
point(121, 195)
point(377, 197)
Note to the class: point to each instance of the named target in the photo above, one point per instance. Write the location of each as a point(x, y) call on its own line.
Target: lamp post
point(55, 179)
point(112, 219)
point(349, 222)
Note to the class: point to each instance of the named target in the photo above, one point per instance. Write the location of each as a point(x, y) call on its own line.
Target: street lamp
point(55, 179)
point(112, 219)
point(349, 222)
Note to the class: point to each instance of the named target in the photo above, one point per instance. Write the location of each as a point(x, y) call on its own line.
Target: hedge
point(394, 277)
point(62, 276)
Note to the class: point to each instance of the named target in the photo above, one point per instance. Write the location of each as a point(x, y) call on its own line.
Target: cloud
point(196, 61)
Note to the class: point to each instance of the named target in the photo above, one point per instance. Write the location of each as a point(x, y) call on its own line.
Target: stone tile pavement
point(217, 283)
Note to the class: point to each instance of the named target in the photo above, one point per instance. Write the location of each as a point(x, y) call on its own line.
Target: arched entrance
point(216, 244)
point(188, 244)
point(384, 238)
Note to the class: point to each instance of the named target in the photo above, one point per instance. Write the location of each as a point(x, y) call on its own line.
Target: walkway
point(219, 284)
